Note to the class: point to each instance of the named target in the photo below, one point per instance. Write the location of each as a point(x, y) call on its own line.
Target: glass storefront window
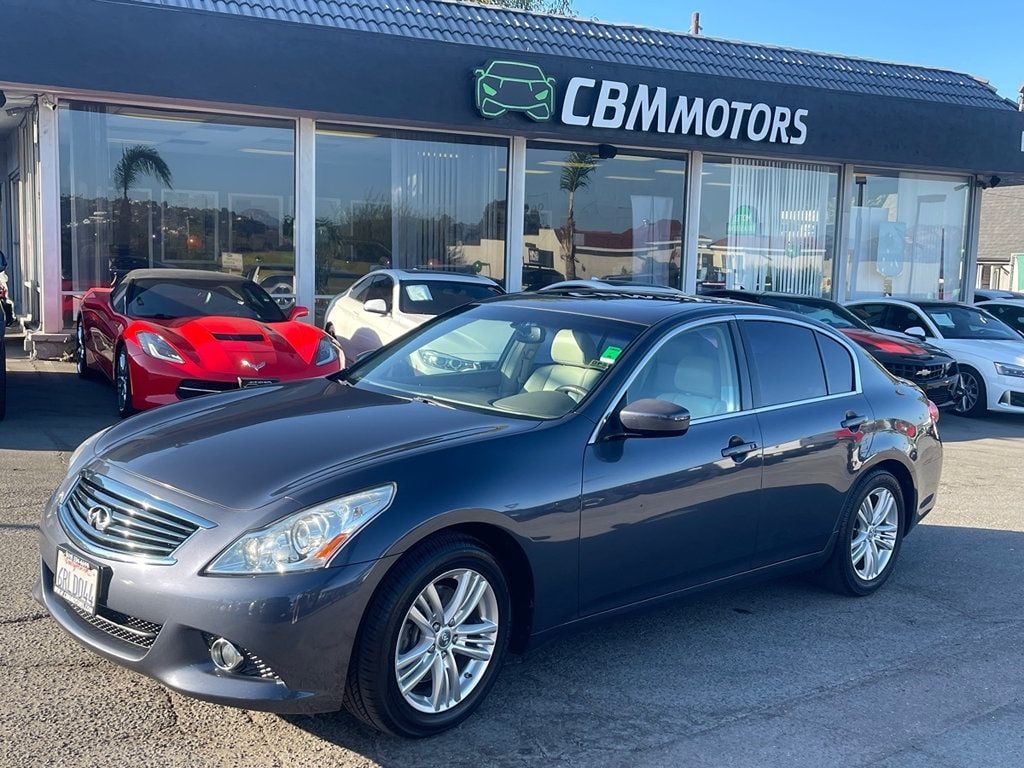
point(406, 200)
point(907, 235)
point(159, 188)
point(618, 219)
point(767, 226)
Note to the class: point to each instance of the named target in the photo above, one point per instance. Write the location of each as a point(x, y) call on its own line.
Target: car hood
point(240, 346)
point(245, 449)
point(885, 344)
point(996, 350)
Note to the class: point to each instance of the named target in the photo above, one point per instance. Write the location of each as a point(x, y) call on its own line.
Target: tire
point(123, 383)
point(81, 361)
point(3, 377)
point(845, 572)
point(372, 692)
point(974, 401)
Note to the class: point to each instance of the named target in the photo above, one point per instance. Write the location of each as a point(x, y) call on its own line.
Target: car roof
point(756, 296)
point(184, 274)
point(433, 275)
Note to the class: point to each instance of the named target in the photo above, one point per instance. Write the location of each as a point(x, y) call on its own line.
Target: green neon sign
point(512, 86)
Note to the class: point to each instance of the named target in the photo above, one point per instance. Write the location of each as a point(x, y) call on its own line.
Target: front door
point(662, 514)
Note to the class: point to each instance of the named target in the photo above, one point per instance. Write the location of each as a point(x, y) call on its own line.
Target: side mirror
point(377, 306)
point(297, 312)
point(916, 331)
point(655, 418)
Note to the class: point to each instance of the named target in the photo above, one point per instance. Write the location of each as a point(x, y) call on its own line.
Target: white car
point(387, 303)
point(989, 352)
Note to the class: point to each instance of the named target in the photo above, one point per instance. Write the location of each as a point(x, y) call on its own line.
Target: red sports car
point(163, 335)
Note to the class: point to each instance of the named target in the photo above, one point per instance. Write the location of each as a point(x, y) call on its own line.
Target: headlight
point(155, 345)
point(1007, 369)
point(326, 352)
point(445, 362)
point(305, 540)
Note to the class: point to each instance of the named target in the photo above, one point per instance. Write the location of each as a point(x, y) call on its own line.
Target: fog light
point(225, 655)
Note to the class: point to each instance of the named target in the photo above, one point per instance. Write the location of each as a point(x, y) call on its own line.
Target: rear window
point(838, 365)
point(785, 365)
point(435, 297)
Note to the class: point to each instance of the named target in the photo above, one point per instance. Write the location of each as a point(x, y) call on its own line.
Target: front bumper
point(943, 392)
point(298, 630)
point(1006, 394)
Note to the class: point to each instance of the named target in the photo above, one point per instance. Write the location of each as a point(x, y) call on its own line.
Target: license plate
point(246, 383)
point(77, 581)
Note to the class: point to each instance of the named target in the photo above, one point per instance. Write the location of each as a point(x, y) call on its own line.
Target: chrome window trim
point(829, 332)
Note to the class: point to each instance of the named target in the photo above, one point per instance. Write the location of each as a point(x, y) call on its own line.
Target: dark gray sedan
point(380, 539)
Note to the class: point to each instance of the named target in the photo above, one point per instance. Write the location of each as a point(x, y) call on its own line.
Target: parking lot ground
point(928, 672)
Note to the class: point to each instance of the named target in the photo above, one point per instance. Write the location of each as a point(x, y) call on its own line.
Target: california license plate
point(77, 581)
point(246, 383)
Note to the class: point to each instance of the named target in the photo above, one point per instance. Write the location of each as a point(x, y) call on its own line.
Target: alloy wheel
point(80, 349)
point(874, 534)
point(970, 392)
point(122, 383)
point(446, 641)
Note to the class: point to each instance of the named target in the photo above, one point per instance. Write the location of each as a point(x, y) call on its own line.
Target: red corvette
point(163, 335)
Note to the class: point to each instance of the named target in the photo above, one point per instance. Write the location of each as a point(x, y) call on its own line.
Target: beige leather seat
point(697, 378)
point(570, 352)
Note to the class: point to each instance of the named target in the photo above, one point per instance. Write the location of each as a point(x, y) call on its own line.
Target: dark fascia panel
point(519, 31)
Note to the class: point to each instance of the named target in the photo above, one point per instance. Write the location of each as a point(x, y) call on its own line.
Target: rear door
point(812, 418)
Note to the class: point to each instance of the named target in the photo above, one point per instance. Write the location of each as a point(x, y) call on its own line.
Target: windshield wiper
point(430, 401)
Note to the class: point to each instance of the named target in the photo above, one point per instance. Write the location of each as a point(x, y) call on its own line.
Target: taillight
point(933, 412)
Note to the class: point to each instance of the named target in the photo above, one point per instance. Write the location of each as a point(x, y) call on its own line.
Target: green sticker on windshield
point(610, 355)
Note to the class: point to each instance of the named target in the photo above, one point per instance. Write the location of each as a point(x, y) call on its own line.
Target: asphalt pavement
point(928, 672)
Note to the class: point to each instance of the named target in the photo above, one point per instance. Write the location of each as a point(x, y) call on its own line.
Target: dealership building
point(307, 142)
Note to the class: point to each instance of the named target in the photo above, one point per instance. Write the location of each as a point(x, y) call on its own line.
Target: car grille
point(194, 388)
point(920, 373)
point(123, 627)
point(239, 337)
point(138, 527)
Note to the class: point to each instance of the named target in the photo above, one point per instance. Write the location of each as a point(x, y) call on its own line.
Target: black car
point(927, 366)
point(379, 539)
point(995, 294)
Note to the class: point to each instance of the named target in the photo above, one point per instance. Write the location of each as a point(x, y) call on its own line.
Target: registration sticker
point(610, 355)
point(77, 581)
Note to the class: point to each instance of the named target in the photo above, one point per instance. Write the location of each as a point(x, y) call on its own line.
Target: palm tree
point(575, 176)
point(136, 160)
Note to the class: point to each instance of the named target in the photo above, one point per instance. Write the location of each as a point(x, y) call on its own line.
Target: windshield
point(955, 322)
point(835, 316)
point(435, 297)
point(502, 358)
point(162, 299)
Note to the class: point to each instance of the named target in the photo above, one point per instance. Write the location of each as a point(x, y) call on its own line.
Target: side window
point(360, 289)
point(117, 298)
point(382, 287)
point(872, 314)
point(695, 369)
point(838, 365)
point(901, 318)
point(784, 362)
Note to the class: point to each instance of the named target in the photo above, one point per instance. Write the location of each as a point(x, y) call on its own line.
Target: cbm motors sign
point(511, 86)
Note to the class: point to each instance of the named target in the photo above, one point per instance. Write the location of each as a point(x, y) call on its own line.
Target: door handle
point(853, 421)
point(738, 449)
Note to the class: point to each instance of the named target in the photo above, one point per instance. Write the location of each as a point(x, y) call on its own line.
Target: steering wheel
point(571, 390)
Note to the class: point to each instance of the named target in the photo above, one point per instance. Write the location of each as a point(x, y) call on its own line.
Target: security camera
point(606, 151)
point(3, 98)
point(994, 182)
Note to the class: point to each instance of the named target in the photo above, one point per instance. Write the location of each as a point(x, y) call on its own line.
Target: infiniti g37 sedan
point(379, 539)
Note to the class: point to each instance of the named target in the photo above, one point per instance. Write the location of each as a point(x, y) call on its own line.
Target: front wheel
point(973, 400)
point(870, 537)
point(123, 384)
point(433, 639)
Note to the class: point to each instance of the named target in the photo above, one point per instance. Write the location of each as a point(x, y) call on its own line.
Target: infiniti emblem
point(255, 366)
point(100, 518)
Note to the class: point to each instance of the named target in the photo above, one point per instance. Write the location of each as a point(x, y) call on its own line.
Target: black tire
point(839, 573)
point(3, 377)
point(372, 693)
point(81, 365)
point(123, 386)
point(970, 378)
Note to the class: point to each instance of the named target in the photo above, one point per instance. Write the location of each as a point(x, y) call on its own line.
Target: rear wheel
point(123, 384)
point(973, 400)
point(870, 537)
point(432, 640)
point(81, 362)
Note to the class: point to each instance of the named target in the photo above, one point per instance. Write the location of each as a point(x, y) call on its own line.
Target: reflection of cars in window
point(924, 365)
point(508, 86)
point(164, 335)
point(386, 303)
point(990, 354)
point(387, 534)
point(1010, 311)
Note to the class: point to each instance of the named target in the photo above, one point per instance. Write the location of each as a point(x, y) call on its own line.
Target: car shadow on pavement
point(994, 426)
point(775, 669)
